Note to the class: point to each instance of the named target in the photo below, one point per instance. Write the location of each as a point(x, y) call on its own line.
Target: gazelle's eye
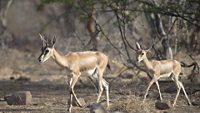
point(142, 53)
point(46, 51)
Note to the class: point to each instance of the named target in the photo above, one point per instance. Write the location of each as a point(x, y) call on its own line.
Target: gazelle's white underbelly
point(92, 72)
point(165, 75)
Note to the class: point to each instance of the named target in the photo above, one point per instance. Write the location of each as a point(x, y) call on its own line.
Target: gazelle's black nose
point(39, 59)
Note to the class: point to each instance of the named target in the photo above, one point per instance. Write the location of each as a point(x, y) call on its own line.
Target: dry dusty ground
point(47, 83)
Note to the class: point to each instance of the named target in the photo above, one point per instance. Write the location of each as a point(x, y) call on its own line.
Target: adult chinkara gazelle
point(160, 69)
point(94, 63)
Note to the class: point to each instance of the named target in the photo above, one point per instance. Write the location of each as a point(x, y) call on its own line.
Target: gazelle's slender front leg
point(150, 84)
point(73, 81)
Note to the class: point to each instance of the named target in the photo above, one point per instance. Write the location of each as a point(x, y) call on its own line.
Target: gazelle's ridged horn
point(54, 40)
point(42, 38)
point(148, 50)
point(44, 42)
point(138, 46)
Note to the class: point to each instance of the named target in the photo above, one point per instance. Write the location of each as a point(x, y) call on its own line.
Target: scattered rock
point(19, 98)
point(126, 75)
point(162, 105)
point(97, 108)
point(12, 78)
point(196, 103)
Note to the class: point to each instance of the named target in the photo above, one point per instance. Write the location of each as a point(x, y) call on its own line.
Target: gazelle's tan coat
point(159, 69)
point(93, 62)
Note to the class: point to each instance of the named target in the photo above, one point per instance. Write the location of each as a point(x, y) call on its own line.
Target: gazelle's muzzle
point(139, 59)
point(40, 58)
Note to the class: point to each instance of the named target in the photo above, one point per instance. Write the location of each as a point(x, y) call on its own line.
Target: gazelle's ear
point(43, 40)
point(138, 46)
point(53, 41)
point(148, 50)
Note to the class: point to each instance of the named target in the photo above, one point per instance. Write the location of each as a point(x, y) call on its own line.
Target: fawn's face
point(141, 54)
point(46, 50)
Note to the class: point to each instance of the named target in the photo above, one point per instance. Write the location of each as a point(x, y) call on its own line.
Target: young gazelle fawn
point(94, 63)
point(160, 69)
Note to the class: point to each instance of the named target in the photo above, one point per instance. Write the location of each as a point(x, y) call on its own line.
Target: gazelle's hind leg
point(181, 85)
point(178, 91)
point(100, 82)
point(175, 77)
point(106, 86)
point(158, 87)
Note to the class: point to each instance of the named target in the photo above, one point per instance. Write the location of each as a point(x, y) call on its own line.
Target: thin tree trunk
point(160, 29)
point(92, 29)
point(3, 20)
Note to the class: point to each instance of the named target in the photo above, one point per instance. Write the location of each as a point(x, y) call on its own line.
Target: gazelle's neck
point(147, 63)
point(59, 59)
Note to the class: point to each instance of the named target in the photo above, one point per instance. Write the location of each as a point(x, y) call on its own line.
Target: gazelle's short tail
point(188, 65)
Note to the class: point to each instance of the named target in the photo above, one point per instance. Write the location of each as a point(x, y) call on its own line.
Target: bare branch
point(4, 13)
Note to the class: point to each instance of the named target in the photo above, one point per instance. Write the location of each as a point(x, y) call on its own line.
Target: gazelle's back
point(167, 66)
point(87, 60)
